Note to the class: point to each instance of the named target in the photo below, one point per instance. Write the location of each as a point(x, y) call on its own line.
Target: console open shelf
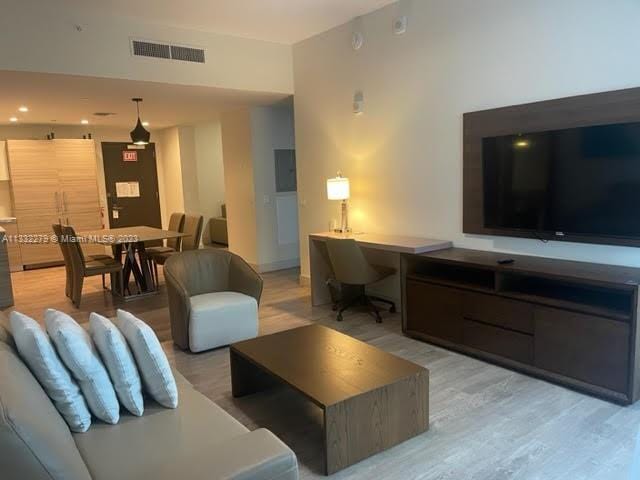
point(573, 323)
point(608, 302)
point(447, 274)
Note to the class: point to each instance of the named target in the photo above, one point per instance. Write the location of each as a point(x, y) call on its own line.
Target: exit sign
point(130, 156)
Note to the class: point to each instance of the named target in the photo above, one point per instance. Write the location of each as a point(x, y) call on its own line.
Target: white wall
point(41, 37)
point(249, 137)
point(190, 171)
point(272, 128)
point(189, 164)
point(208, 150)
point(169, 172)
point(404, 154)
point(239, 184)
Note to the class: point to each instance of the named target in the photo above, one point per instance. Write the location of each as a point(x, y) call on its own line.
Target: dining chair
point(192, 228)
point(82, 267)
point(66, 256)
point(63, 244)
point(176, 224)
point(193, 232)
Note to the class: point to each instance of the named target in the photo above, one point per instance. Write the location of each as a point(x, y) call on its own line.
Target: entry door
point(131, 180)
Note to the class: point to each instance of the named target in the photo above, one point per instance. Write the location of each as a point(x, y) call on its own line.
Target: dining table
point(129, 245)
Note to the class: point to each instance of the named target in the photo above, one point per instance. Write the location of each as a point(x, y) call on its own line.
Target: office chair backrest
point(349, 264)
point(193, 229)
point(176, 224)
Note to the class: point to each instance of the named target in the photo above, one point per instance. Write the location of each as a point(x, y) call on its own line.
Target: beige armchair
point(213, 299)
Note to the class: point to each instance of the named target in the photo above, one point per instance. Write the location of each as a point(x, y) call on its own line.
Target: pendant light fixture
point(139, 135)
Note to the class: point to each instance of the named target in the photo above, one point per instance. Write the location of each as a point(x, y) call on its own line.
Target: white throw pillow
point(37, 352)
point(79, 354)
point(117, 357)
point(152, 362)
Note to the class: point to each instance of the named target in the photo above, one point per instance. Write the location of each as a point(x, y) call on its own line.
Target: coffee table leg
point(364, 425)
point(247, 378)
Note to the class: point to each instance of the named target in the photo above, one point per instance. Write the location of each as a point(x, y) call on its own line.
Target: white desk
point(379, 249)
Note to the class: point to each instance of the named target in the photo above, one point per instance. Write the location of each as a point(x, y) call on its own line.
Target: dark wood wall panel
point(619, 106)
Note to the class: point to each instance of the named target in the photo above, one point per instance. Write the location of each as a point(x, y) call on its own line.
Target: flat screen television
point(579, 182)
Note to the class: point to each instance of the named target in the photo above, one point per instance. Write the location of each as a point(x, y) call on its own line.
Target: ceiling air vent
point(150, 49)
point(144, 48)
point(187, 54)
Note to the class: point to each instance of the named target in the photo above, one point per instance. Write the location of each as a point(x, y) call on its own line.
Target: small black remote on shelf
point(506, 261)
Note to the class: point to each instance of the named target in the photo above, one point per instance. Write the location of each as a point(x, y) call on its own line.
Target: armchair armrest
point(179, 309)
point(258, 455)
point(244, 279)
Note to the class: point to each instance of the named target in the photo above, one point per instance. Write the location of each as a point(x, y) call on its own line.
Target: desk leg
point(320, 270)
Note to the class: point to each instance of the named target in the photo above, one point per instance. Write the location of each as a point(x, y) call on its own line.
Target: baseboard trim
point(275, 266)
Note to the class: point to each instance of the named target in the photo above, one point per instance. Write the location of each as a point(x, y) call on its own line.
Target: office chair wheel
point(339, 317)
point(392, 309)
point(378, 318)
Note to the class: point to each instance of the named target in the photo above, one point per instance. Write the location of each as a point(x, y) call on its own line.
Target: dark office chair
point(354, 272)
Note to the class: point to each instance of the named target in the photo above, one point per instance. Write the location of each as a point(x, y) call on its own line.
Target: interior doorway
point(131, 182)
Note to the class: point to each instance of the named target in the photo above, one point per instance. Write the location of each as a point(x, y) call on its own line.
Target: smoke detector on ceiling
point(400, 25)
point(357, 40)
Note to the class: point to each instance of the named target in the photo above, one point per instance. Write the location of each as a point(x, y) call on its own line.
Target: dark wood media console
point(572, 323)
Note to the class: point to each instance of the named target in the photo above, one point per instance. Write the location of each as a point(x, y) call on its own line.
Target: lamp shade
point(338, 188)
point(139, 135)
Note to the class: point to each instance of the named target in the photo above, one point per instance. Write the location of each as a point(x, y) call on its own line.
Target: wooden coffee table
point(371, 399)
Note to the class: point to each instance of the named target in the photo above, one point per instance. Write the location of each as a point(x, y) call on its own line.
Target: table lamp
point(338, 189)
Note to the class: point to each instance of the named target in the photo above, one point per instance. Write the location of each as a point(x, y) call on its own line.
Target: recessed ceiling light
point(145, 124)
point(23, 109)
point(13, 119)
point(84, 122)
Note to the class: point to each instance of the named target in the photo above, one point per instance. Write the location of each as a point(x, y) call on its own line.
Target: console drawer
point(496, 340)
point(585, 347)
point(498, 311)
point(434, 310)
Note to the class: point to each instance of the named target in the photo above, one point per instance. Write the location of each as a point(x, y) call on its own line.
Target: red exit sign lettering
point(130, 156)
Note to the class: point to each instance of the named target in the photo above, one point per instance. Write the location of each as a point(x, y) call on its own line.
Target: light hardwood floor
point(486, 423)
